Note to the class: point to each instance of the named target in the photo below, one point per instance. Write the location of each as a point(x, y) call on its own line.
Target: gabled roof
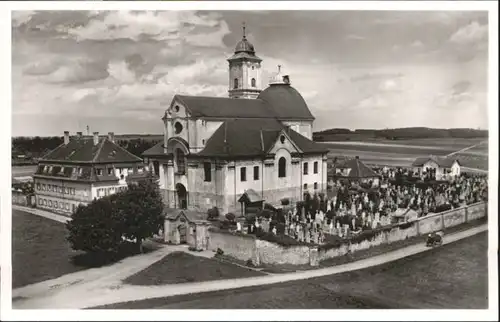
point(156, 150)
point(251, 196)
point(247, 137)
point(224, 107)
point(441, 161)
point(358, 169)
point(242, 137)
point(191, 216)
point(84, 150)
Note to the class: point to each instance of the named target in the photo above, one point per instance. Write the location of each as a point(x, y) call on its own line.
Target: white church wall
point(205, 130)
point(302, 127)
point(312, 178)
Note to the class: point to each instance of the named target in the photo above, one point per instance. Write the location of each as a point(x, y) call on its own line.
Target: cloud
point(94, 66)
point(417, 44)
point(461, 87)
point(470, 34)
point(156, 25)
point(44, 67)
point(354, 37)
point(375, 76)
point(20, 17)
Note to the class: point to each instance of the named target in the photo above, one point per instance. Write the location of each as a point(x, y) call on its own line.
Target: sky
point(119, 70)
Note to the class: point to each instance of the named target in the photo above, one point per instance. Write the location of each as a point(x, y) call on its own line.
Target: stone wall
point(234, 245)
point(244, 247)
point(476, 211)
point(430, 223)
point(271, 253)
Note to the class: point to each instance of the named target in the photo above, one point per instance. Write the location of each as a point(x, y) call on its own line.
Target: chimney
point(96, 138)
point(79, 135)
point(111, 136)
point(66, 137)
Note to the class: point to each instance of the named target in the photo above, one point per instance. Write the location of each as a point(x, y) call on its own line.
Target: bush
point(266, 213)
point(219, 252)
point(249, 263)
point(104, 225)
point(285, 202)
point(230, 217)
point(269, 207)
point(94, 228)
point(213, 214)
point(226, 224)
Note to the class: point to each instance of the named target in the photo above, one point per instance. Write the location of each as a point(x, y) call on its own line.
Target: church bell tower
point(244, 70)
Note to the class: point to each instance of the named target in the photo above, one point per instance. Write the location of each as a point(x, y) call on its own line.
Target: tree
point(140, 211)
point(213, 214)
point(94, 227)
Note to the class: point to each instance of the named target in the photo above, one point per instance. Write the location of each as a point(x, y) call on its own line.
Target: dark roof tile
point(246, 137)
point(358, 169)
point(84, 150)
point(223, 107)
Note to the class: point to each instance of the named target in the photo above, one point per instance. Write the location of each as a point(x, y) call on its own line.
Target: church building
point(218, 151)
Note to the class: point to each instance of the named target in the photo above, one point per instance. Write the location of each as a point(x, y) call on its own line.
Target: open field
point(404, 152)
point(421, 281)
point(39, 249)
point(180, 267)
point(21, 171)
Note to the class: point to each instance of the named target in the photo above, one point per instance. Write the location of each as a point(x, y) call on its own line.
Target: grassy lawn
point(421, 281)
point(39, 249)
point(180, 267)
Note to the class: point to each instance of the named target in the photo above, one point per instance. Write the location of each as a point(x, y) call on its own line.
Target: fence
point(245, 247)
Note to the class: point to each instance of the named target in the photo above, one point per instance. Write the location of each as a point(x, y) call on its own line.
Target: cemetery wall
point(244, 247)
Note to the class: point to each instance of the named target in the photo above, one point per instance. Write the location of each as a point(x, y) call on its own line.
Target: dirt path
point(103, 286)
point(467, 148)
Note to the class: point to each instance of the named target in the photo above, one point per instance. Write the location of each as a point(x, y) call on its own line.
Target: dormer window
point(99, 172)
point(110, 171)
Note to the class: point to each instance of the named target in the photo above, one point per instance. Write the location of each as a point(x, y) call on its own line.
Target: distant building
point(444, 167)
point(355, 170)
point(216, 149)
point(82, 169)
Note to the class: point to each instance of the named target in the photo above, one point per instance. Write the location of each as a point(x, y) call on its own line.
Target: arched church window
point(178, 127)
point(282, 167)
point(254, 82)
point(235, 83)
point(180, 161)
